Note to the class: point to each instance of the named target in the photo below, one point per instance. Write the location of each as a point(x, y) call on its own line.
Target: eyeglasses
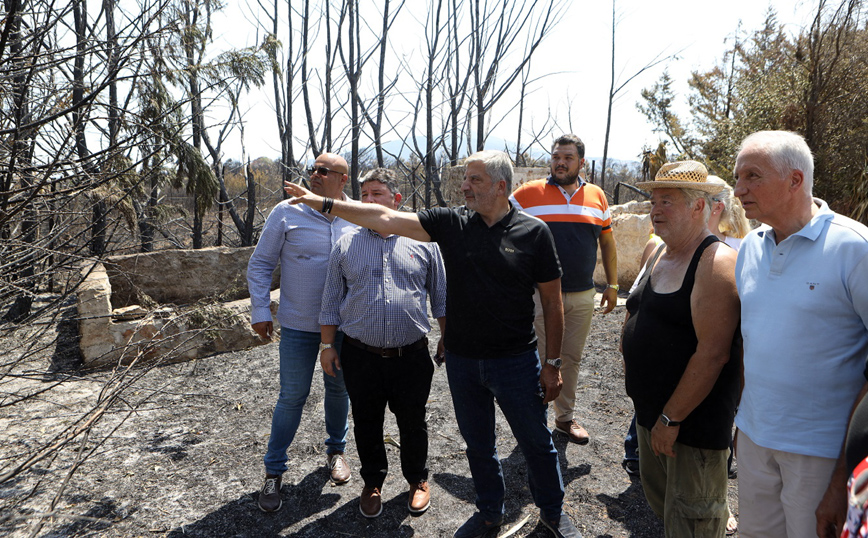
point(321, 170)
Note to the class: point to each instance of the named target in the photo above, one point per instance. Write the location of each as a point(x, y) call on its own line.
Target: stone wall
point(180, 276)
point(631, 225)
point(207, 316)
point(180, 304)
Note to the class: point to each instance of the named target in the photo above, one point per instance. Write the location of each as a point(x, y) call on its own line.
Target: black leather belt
point(389, 352)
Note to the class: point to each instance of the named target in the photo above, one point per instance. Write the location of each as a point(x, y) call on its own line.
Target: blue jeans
point(514, 382)
point(299, 353)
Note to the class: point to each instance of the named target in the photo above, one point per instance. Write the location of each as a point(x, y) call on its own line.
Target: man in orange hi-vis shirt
point(577, 214)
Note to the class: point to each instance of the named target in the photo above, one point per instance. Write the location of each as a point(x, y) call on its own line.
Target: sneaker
point(420, 498)
point(632, 467)
point(339, 471)
point(370, 502)
point(563, 528)
point(476, 526)
point(573, 431)
point(269, 495)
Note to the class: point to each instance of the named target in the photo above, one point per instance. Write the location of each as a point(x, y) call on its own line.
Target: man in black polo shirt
point(494, 256)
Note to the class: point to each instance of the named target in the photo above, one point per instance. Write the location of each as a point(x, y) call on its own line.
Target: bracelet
point(327, 204)
point(615, 287)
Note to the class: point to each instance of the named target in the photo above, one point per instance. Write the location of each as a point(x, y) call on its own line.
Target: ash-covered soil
point(179, 453)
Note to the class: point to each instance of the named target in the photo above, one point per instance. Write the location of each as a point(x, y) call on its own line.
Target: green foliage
point(814, 83)
point(195, 175)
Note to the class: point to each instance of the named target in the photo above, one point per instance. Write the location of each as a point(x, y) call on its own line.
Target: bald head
point(332, 183)
point(335, 162)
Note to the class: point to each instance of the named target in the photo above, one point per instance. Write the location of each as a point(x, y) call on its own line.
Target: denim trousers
point(299, 353)
point(513, 381)
point(403, 383)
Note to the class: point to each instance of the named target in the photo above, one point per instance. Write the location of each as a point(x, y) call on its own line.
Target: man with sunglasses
point(300, 240)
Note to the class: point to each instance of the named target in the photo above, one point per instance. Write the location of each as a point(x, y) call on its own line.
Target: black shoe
point(563, 528)
point(269, 495)
point(632, 467)
point(476, 526)
point(732, 472)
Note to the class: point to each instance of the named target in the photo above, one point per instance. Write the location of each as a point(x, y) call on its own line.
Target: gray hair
point(385, 176)
point(497, 165)
point(787, 151)
point(692, 195)
point(732, 221)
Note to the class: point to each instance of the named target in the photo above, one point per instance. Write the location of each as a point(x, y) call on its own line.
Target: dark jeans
point(404, 384)
point(631, 442)
point(514, 382)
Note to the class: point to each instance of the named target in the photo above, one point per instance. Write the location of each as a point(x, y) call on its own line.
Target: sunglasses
point(321, 170)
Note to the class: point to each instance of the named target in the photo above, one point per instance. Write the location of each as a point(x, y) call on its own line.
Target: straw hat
point(682, 175)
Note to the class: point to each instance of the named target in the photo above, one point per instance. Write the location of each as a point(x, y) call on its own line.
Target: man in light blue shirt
point(299, 239)
point(376, 290)
point(803, 283)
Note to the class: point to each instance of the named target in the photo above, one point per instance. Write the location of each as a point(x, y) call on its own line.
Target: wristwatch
point(615, 287)
point(554, 362)
point(669, 422)
point(326, 346)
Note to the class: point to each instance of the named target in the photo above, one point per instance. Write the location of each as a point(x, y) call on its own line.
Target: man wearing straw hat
point(682, 365)
point(803, 283)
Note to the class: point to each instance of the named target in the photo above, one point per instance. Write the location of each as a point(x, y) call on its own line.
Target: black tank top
point(659, 340)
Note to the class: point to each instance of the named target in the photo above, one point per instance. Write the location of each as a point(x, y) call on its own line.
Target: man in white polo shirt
point(803, 283)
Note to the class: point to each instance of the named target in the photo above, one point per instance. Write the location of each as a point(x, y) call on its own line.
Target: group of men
point(513, 289)
point(364, 306)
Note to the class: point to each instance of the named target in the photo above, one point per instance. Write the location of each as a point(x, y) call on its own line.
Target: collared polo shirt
point(576, 222)
point(491, 273)
point(377, 287)
point(804, 311)
point(300, 240)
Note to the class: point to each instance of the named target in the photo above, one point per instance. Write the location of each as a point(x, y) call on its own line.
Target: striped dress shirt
point(376, 288)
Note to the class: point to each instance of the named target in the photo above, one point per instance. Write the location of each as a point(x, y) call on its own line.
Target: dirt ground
point(180, 454)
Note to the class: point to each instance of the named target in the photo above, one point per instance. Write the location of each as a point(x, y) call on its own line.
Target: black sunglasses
point(321, 170)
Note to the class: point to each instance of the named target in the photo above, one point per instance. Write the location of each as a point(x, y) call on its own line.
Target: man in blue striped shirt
point(375, 292)
point(300, 240)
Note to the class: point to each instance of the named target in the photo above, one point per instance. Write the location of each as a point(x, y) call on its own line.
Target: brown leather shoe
point(371, 502)
point(573, 431)
point(339, 471)
point(269, 495)
point(420, 498)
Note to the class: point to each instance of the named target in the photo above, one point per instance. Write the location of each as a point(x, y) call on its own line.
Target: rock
point(205, 278)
